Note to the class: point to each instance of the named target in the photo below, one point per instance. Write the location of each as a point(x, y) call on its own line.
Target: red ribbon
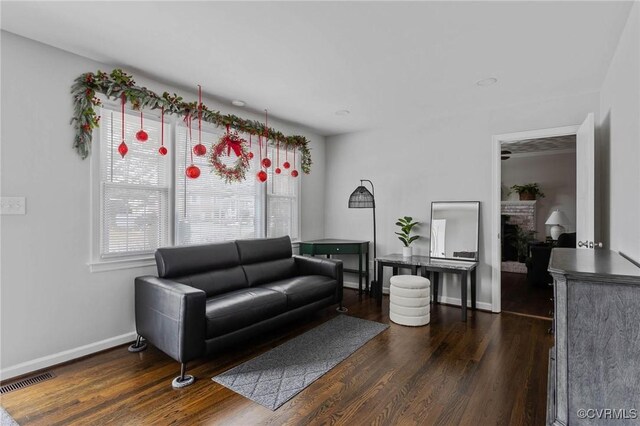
point(233, 145)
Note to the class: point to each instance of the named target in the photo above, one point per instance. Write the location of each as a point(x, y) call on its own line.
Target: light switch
point(12, 205)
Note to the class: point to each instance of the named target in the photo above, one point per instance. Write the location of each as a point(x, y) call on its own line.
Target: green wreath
point(230, 142)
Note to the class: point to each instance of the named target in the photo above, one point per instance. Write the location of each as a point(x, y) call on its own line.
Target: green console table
point(331, 246)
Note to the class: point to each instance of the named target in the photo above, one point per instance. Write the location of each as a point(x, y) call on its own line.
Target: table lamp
point(557, 220)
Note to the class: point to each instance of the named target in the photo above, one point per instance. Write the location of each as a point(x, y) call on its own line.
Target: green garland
point(116, 83)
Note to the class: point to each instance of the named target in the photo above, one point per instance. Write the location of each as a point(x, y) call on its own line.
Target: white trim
point(64, 356)
point(114, 265)
point(456, 301)
point(541, 153)
point(351, 284)
point(496, 204)
point(538, 134)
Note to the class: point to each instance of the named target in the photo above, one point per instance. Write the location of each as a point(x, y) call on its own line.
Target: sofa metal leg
point(139, 346)
point(183, 380)
point(341, 308)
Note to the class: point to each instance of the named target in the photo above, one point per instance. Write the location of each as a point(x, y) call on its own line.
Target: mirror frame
point(461, 259)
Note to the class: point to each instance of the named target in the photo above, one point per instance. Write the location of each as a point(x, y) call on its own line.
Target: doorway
point(538, 213)
point(551, 150)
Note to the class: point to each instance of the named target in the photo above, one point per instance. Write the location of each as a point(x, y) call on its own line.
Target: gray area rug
point(276, 376)
point(6, 419)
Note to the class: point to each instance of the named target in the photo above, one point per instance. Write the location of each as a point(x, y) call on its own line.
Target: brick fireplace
point(523, 214)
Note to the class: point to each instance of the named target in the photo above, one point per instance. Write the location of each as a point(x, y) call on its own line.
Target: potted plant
point(523, 239)
point(406, 224)
point(530, 191)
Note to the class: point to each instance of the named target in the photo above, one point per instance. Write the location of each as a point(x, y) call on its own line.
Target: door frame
point(496, 165)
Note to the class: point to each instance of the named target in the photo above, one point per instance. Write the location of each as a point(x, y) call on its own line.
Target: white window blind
point(207, 208)
point(282, 199)
point(134, 191)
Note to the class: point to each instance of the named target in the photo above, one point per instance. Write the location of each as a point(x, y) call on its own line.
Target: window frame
point(99, 262)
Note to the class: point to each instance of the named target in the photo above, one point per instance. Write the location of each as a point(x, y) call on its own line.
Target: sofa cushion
point(264, 249)
point(217, 281)
point(237, 309)
point(266, 272)
point(304, 289)
point(187, 260)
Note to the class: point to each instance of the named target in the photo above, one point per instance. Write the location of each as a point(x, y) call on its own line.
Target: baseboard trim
point(64, 356)
point(454, 301)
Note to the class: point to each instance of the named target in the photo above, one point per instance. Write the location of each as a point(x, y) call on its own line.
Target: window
point(282, 201)
point(134, 191)
point(207, 208)
point(145, 201)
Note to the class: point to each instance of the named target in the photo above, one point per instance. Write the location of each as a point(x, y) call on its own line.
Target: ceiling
point(526, 146)
point(388, 63)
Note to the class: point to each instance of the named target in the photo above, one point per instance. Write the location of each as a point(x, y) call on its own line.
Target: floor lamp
point(361, 198)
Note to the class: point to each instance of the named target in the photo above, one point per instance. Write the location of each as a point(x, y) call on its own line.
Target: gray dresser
point(594, 365)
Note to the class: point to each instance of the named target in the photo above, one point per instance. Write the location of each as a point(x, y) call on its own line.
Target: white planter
point(407, 251)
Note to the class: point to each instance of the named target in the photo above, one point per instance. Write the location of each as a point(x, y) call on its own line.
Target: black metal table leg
point(473, 289)
point(379, 284)
point(359, 273)
point(463, 298)
point(434, 284)
point(366, 268)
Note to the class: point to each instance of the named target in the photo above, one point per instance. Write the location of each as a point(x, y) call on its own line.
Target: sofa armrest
point(318, 266)
point(332, 268)
point(171, 316)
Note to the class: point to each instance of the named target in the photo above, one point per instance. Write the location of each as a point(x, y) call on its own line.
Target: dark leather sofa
point(211, 296)
point(538, 263)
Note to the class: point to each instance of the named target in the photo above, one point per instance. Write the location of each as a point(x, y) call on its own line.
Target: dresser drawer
point(329, 249)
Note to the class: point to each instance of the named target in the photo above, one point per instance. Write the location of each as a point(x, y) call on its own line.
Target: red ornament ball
point(142, 136)
point(162, 150)
point(199, 150)
point(123, 149)
point(278, 171)
point(192, 172)
point(262, 176)
point(286, 165)
point(251, 156)
point(266, 163)
point(294, 173)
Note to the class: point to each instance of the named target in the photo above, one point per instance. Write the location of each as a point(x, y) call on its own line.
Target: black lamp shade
point(361, 198)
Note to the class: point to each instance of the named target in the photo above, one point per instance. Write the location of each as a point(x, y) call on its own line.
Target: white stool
point(410, 296)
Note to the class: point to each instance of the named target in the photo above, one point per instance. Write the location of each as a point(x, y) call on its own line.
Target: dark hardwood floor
point(519, 296)
point(489, 370)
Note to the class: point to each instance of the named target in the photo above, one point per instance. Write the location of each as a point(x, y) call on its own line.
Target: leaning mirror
point(454, 230)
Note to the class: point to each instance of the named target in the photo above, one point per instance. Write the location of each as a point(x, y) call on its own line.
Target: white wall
point(53, 308)
point(441, 159)
point(620, 143)
point(556, 175)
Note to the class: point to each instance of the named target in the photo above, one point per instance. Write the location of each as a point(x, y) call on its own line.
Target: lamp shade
point(361, 198)
point(557, 217)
